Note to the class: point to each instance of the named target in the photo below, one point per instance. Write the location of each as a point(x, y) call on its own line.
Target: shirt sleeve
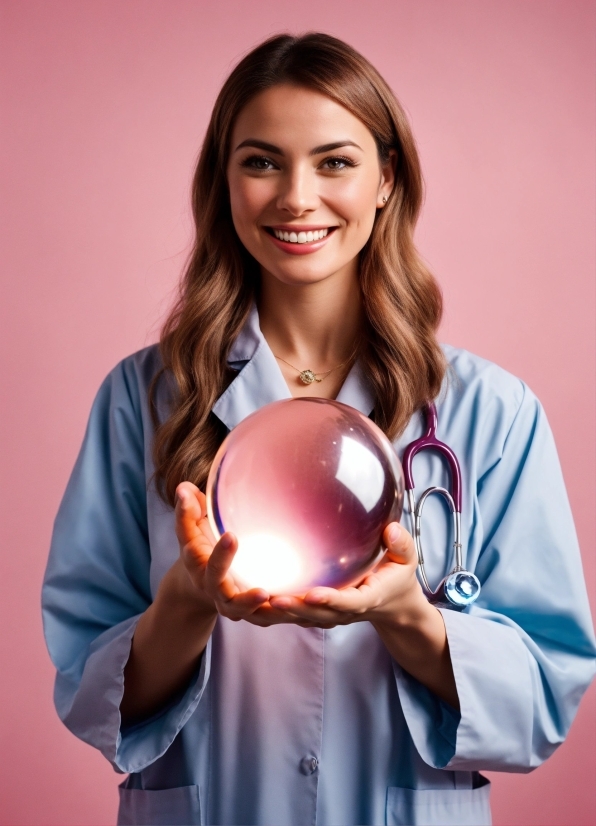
point(97, 583)
point(523, 654)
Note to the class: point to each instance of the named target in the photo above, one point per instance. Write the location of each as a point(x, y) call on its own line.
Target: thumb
point(400, 545)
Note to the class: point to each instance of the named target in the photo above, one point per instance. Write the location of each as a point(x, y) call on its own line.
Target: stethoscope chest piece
point(459, 588)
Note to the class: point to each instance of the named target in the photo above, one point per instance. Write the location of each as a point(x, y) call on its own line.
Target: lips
point(299, 240)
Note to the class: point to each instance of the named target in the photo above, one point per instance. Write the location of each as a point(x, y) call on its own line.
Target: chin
point(299, 272)
point(301, 279)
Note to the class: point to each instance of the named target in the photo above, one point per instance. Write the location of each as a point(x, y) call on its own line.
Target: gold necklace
point(309, 376)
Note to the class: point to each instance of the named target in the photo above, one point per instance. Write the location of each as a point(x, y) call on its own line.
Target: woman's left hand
point(387, 593)
point(392, 600)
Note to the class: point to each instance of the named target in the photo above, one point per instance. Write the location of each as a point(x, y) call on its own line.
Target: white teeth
point(301, 237)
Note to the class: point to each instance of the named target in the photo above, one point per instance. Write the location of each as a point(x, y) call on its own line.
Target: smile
point(299, 241)
point(301, 237)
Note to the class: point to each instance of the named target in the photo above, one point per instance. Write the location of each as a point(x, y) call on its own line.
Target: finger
point(295, 606)
point(205, 529)
point(201, 497)
point(220, 583)
point(243, 604)
point(265, 616)
point(188, 512)
point(217, 577)
point(204, 524)
point(400, 545)
point(198, 550)
point(346, 600)
point(298, 609)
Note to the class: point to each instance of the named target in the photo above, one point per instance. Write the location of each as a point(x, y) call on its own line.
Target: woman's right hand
point(207, 562)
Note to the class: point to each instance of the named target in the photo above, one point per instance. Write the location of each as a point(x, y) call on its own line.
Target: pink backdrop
point(104, 105)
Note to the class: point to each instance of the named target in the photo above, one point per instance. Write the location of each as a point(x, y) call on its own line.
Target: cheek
point(248, 197)
point(356, 200)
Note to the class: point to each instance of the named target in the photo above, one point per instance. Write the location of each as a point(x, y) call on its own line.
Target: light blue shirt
point(293, 726)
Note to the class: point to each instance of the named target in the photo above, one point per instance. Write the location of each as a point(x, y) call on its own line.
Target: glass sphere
point(307, 486)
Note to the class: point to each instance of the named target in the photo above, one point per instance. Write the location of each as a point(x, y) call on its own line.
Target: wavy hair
point(401, 300)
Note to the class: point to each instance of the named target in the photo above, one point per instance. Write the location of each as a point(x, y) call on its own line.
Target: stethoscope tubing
point(459, 588)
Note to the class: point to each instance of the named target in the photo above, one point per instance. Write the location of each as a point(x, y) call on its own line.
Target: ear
point(387, 181)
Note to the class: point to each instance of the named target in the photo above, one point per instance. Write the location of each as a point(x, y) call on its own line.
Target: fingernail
point(226, 541)
point(394, 533)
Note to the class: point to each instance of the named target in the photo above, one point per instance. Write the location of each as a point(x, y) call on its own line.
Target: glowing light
point(268, 562)
point(307, 486)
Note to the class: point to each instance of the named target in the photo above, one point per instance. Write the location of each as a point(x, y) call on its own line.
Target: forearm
point(417, 640)
point(169, 640)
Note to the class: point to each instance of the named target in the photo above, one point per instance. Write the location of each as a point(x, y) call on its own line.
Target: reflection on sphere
point(307, 486)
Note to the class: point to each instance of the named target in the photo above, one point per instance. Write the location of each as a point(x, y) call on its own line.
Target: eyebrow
point(275, 150)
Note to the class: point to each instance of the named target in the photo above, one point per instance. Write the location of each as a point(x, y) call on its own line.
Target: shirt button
point(308, 765)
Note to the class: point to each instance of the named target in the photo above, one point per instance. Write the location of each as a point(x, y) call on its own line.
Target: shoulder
point(123, 397)
point(469, 373)
point(132, 376)
point(138, 369)
point(484, 401)
point(470, 376)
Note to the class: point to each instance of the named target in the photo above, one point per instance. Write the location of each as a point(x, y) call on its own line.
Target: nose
point(298, 191)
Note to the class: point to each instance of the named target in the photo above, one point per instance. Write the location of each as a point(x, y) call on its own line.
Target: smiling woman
point(362, 705)
point(305, 136)
point(304, 175)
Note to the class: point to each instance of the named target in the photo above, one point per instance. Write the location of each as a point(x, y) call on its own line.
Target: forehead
point(299, 118)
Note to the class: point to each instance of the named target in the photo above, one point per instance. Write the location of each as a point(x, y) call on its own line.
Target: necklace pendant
point(307, 377)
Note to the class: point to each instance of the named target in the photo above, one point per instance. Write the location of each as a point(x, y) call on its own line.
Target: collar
point(261, 381)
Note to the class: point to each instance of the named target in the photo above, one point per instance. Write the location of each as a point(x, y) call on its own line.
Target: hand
point(388, 595)
point(207, 562)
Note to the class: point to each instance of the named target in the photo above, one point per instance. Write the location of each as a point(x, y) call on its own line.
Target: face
point(305, 183)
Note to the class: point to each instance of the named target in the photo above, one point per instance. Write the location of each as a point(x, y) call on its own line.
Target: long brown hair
point(401, 300)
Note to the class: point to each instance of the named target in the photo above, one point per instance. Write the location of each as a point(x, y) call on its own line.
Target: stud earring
point(384, 199)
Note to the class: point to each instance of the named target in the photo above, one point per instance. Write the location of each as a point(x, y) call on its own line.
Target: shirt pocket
point(159, 807)
point(438, 807)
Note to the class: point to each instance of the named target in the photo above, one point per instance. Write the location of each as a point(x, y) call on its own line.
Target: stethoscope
point(459, 588)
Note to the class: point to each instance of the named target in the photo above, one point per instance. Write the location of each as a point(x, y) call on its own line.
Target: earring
point(384, 199)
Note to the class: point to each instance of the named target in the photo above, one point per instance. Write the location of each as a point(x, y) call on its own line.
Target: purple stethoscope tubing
point(460, 587)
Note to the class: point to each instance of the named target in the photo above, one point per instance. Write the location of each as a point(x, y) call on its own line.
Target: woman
point(361, 706)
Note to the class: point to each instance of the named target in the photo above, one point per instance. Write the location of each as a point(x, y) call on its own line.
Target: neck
point(313, 326)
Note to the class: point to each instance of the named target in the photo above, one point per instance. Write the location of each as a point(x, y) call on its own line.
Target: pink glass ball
point(307, 486)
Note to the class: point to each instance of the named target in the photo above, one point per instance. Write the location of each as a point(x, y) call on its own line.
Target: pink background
point(103, 108)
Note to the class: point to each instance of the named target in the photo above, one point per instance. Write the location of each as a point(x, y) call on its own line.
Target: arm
point(169, 640)
point(96, 583)
point(97, 599)
point(413, 630)
point(173, 632)
point(97, 590)
point(522, 656)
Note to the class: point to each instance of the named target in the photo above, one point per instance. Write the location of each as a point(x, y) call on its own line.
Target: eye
point(259, 162)
point(338, 162)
